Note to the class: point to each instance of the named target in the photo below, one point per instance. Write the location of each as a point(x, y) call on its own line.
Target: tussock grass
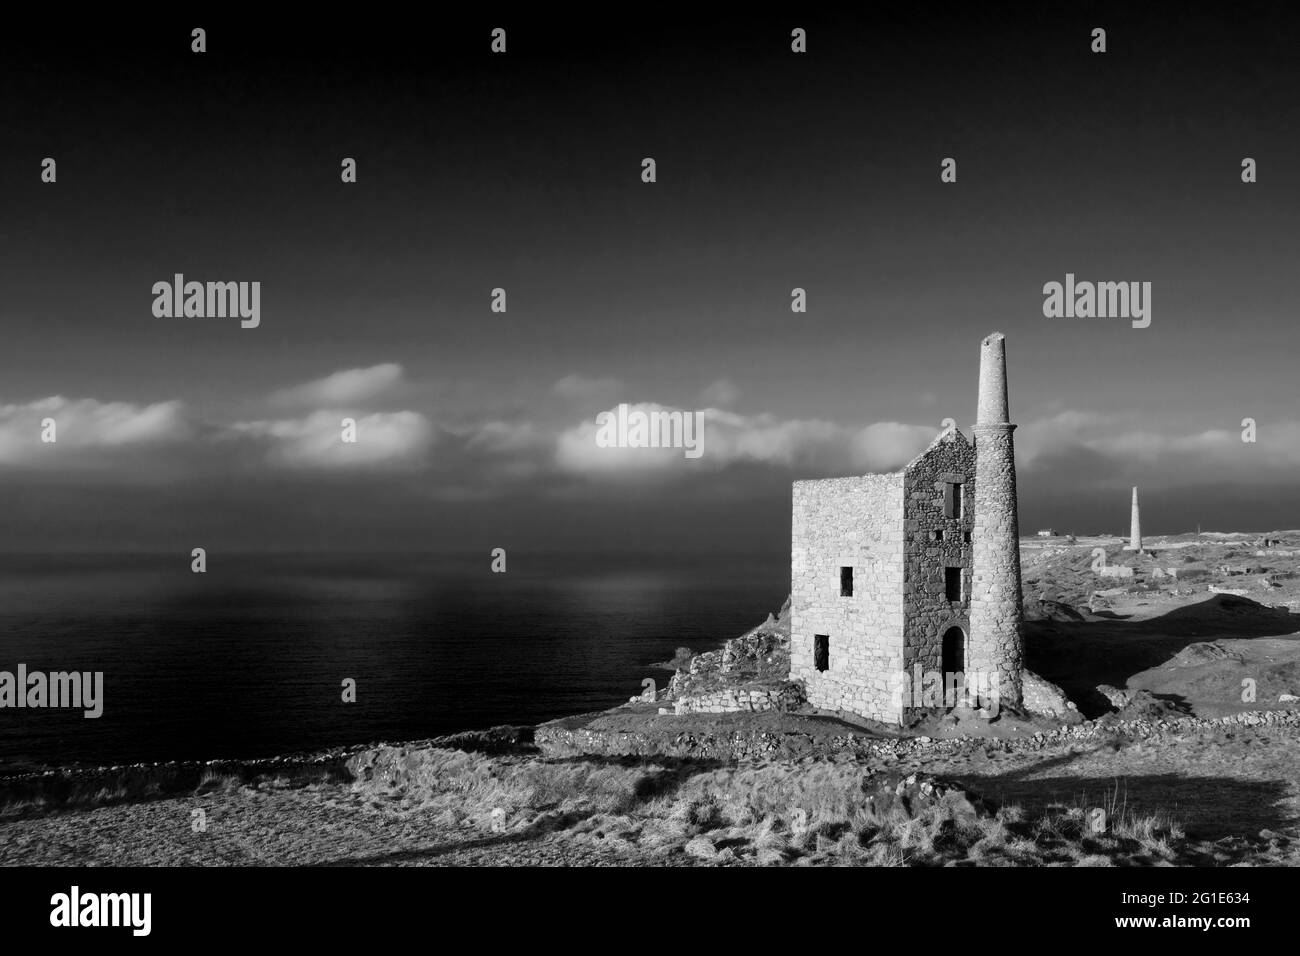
point(814, 812)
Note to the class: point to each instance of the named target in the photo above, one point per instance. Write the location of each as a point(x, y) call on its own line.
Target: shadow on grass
point(1207, 808)
point(1077, 656)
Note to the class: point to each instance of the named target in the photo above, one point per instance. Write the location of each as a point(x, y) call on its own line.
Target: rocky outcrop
point(1044, 697)
point(1137, 704)
point(1045, 610)
point(758, 656)
point(1115, 696)
point(1204, 652)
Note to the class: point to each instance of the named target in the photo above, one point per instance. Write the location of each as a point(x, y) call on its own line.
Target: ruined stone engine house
point(917, 567)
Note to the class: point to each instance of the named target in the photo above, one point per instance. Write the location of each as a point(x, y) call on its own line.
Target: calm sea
point(249, 658)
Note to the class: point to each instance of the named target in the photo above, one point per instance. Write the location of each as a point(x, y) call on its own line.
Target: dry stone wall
point(782, 697)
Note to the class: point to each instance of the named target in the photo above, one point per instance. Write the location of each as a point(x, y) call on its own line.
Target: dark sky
point(522, 171)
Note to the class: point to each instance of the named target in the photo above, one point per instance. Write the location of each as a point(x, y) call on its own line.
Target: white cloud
point(888, 446)
point(1055, 433)
point(86, 426)
point(1213, 454)
point(729, 439)
point(764, 439)
point(163, 441)
point(344, 388)
point(576, 450)
point(384, 440)
point(1112, 447)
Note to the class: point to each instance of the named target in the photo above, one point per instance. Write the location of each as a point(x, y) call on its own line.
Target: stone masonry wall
point(849, 522)
point(928, 611)
point(784, 696)
point(996, 609)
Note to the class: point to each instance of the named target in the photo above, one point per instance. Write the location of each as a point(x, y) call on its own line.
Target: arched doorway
point(954, 652)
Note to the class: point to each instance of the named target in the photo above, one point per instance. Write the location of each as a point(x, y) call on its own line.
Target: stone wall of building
point(900, 537)
point(849, 522)
point(928, 611)
point(996, 606)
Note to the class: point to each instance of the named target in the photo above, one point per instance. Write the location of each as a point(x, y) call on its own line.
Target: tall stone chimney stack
point(996, 611)
point(1134, 528)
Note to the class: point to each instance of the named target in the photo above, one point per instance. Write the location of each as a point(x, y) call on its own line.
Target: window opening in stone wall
point(822, 651)
point(952, 583)
point(951, 500)
point(846, 582)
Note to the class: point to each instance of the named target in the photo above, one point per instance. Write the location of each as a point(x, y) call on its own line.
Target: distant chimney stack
point(1135, 527)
